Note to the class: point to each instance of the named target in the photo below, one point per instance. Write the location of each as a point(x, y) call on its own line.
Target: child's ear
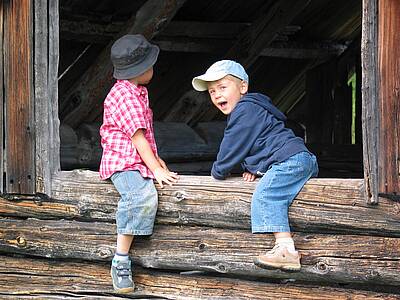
point(244, 86)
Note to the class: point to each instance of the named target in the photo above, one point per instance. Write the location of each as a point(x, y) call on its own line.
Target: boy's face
point(226, 92)
point(145, 77)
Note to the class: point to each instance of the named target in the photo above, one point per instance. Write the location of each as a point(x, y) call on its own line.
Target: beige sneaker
point(279, 258)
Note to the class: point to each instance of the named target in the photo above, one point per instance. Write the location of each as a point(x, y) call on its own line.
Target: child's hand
point(248, 176)
point(162, 163)
point(164, 175)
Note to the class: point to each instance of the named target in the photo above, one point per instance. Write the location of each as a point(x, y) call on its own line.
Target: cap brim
point(200, 83)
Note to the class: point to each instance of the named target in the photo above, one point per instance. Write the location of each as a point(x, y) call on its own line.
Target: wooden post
point(389, 99)
point(1, 97)
point(370, 99)
point(18, 96)
point(54, 139)
point(46, 98)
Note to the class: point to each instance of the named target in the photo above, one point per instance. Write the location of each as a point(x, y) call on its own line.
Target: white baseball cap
point(217, 71)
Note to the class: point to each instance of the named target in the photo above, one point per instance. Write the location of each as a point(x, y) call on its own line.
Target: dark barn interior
point(305, 55)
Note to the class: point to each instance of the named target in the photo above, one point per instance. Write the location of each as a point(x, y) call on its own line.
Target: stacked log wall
point(201, 247)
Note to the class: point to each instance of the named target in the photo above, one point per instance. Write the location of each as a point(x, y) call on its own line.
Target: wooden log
point(19, 137)
point(370, 104)
point(25, 277)
point(272, 19)
point(389, 98)
point(192, 107)
point(1, 95)
point(328, 205)
point(325, 257)
point(42, 105)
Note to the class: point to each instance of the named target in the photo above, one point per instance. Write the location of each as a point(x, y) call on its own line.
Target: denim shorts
point(137, 206)
point(276, 191)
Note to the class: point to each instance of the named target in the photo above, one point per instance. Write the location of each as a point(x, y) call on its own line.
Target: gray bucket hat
point(132, 55)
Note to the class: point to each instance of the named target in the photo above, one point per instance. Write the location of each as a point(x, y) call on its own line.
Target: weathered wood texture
point(389, 97)
point(18, 97)
point(327, 205)
point(325, 258)
point(370, 123)
point(97, 80)
point(25, 278)
point(192, 107)
point(1, 94)
point(54, 50)
point(272, 19)
point(46, 97)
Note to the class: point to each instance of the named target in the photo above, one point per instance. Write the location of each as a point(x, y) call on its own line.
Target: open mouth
point(222, 105)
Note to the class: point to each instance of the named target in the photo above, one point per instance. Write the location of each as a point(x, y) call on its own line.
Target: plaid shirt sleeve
point(129, 115)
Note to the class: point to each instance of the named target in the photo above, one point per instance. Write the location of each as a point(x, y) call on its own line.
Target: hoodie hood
point(265, 102)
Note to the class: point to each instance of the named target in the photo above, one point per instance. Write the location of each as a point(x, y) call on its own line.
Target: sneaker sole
point(124, 290)
point(289, 268)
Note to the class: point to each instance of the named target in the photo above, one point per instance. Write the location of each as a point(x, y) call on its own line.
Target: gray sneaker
point(121, 274)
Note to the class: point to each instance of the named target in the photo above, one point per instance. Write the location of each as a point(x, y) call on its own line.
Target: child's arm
point(160, 173)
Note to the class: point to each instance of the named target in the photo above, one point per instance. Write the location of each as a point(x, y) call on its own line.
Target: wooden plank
point(273, 18)
point(97, 80)
point(325, 257)
point(1, 96)
point(25, 277)
point(199, 37)
point(369, 42)
point(42, 104)
point(389, 97)
point(54, 138)
point(19, 111)
point(328, 205)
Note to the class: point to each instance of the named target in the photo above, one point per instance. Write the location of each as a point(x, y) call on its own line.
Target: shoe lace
point(274, 249)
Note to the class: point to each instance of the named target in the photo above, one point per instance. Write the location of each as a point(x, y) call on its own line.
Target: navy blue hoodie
point(256, 137)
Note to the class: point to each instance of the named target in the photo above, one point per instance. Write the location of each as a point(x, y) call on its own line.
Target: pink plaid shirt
point(126, 109)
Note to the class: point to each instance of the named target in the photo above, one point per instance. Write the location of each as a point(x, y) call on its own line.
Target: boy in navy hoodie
point(256, 137)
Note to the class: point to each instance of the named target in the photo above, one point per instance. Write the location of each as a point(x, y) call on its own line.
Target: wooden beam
point(97, 80)
point(389, 99)
point(183, 36)
point(369, 89)
point(46, 97)
point(89, 32)
point(19, 98)
point(325, 257)
point(86, 31)
point(330, 205)
point(29, 278)
point(54, 57)
point(2, 84)
point(262, 32)
point(292, 50)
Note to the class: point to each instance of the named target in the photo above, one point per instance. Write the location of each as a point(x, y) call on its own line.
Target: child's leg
point(135, 215)
point(124, 242)
point(271, 200)
point(285, 239)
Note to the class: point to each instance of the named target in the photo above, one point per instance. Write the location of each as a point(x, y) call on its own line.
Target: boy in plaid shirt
point(130, 157)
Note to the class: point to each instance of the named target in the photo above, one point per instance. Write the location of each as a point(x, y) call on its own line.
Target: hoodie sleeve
point(239, 137)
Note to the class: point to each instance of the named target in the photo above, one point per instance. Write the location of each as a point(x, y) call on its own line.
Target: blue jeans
point(276, 191)
point(137, 206)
